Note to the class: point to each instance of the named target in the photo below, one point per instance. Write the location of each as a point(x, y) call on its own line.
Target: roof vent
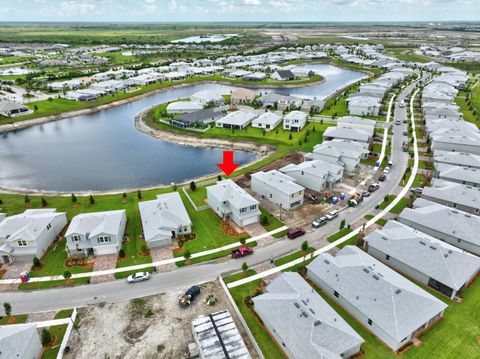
point(311, 311)
point(432, 247)
point(305, 303)
point(376, 277)
point(384, 238)
point(398, 291)
point(422, 242)
point(366, 270)
point(327, 261)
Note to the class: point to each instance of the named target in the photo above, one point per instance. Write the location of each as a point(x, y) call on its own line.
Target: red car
point(296, 232)
point(242, 252)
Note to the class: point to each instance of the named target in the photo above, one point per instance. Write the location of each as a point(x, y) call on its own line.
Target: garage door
point(250, 220)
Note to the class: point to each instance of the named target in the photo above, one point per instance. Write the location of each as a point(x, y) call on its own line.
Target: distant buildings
point(229, 201)
point(390, 306)
point(9, 108)
point(29, 234)
point(163, 219)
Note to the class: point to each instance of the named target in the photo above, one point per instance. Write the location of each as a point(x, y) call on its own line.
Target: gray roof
point(348, 133)
point(7, 106)
point(241, 117)
point(285, 74)
point(95, 223)
point(304, 321)
point(229, 191)
point(316, 168)
point(278, 180)
point(458, 173)
point(163, 215)
point(218, 336)
point(428, 255)
point(199, 116)
point(453, 192)
point(356, 120)
point(16, 339)
point(442, 219)
point(392, 302)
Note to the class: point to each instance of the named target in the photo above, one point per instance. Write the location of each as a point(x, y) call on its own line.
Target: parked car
point(332, 215)
point(296, 232)
point(242, 251)
point(373, 187)
point(417, 190)
point(390, 164)
point(402, 104)
point(366, 194)
point(319, 222)
point(398, 122)
point(405, 133)
point(386, 170)
point(189, 296)
point(138, 277)
point(382, 177)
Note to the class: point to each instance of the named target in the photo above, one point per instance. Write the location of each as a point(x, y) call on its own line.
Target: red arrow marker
point(228, 166)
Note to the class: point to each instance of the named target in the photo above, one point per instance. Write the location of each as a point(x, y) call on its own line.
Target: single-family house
point(192, 119)
point(29, 234)
point(469, 143)
point(10, 108)
point(424, 258)
point(217, 336)
point(357, 122)
point(108, 86)
point(315, 175)
point(469, 176)
point(364, 106)
point(242, 95)
point(229, 201)
point(20, 341)
point(206, 97)
point(345, 153)
point(267, 121)
point(457, 158)
point(294, 121)
point(163, 219)
point(455, 195)
point(278, 188)
point(96, 233)
point(389, 305)
point(302, 322)
point(183, 107)
point(237, 120)
point(349, 134)
point(283, 75)
point(460, 229)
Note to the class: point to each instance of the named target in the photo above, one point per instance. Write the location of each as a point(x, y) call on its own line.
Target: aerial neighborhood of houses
point(382, 177)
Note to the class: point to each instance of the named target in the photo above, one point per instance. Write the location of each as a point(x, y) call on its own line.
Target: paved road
point(60, 298)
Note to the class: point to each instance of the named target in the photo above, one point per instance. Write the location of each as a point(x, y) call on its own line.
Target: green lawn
point(404, 202)
point(381, 221)
point(407, 54)
point(57, 332)
point(292, 256)
point(199, 195)
point(239, 275)
point(273, 222)
point(339, 234)
point(468, 114)
point(18, 319)
point(66, 313)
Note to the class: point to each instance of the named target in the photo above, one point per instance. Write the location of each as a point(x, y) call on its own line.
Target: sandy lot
point(122, 330)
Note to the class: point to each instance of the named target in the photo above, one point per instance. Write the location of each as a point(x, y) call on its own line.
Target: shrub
point(74, 198)
point(342, 224)
point(187, 255)
point(193, 186)
point(44, 202)
point(27, 199)
point(7, 308)
point(124, 195)
point(36, 262)
point(121, 253)
point(67, 275)
point(139, 195)
point(243, 240)
point(92, 200)
point(46, 337)
point(264, 220)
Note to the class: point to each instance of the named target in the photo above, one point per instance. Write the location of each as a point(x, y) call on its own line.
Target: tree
point(187, 255)
point(124, 195)
point(244, 268)
point(67, 275)
point(139, 195)
point(74, 198)
point(35, 108)
point(264, 220)
point(27, 199)
point(386, 198)
point(342, 224)
point(290, 137)
point(44, 202)
point(219, 178)
point(243, 240)
point(121, 253)
point(304, 248)
point(7, 308)
point(1, 201)
point(46, 337)
point(92, 200)
point(193, 186)
point(36, 262)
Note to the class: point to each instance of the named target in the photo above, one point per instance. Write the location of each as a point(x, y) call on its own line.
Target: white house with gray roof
point(457, 159)
point(278, 188)
point(206, 97)
point(96, 233)
point(294, 121)
point(163, 219)
point(315, 175)
point(357, 122)
point(469, 143)
point(389, 305)
point(460, 229)
point(29, 234)
point(465, 175)
point(19, 341)
point(424, 258)
point(455, 195)
point(267, 121)
point(303, 323)
point(349, 134)
point(229, 201)
point(345, 153)
point(237, 120)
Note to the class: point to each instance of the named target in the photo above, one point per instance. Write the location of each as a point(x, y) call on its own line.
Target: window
point(104, 240)
point(271, 196)
point(253, 207)
point(49, 226)
point(370, 322)
point(387, 257)
point(335, 293)
point(75, 238)
point(303, 173)
point(22, 243)
point(185, 229)
point(243, 210)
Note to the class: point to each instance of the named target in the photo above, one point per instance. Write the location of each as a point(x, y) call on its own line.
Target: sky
point(238, 10)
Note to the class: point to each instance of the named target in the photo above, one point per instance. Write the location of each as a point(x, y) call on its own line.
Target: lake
point(104, 151)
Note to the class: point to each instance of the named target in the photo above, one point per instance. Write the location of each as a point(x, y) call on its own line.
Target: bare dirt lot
point(151, 327)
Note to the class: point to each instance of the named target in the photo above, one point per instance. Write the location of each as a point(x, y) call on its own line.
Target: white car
point(386, 170)
point(138, 277)
point(331, 215)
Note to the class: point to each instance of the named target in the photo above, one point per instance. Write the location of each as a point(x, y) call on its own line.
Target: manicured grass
point(57, 332)
point(273, 222)
point(292, 256)
point(199, 195)
point(404, 202)
point(468, 114)
point(239, 275)
point(16, 319)
point(51, 284)
point(408, 55)
point(339, 234)
point(267, 344)
point(381, 221)
point(66, 313)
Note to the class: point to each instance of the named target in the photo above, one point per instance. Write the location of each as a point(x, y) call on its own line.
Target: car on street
point(402, 104)
point(332, 215)
point(386, 170)
point(398, 122)
point(189, 296)
point(405, 133)
point(320, 221)
point(417, 190)
point(138, 277)
point(296, 232)
point(390, 164)
point(373, 187)
point(242, 251)
point(366, 194)
point(382, 177)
